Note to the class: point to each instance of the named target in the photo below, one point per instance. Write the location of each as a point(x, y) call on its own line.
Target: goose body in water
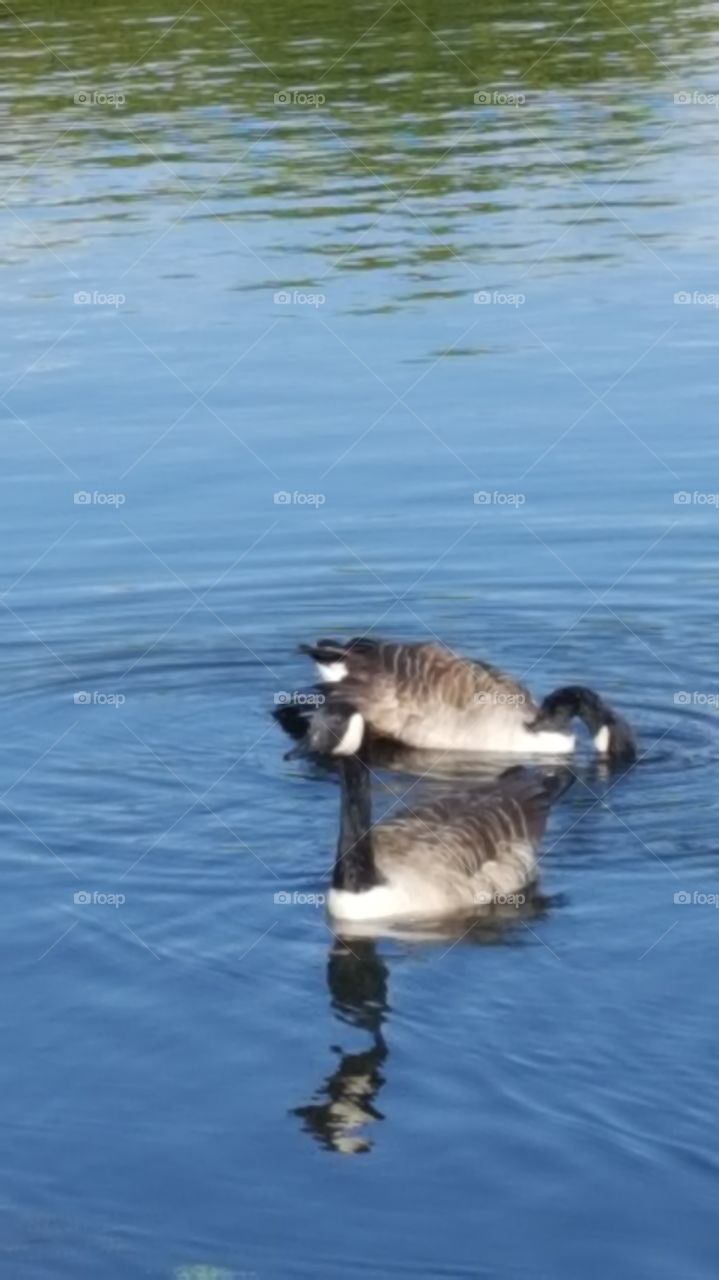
point(451, 856)
point(424, 696)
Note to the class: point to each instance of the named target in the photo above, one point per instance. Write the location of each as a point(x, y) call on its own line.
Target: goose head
point(336, 730)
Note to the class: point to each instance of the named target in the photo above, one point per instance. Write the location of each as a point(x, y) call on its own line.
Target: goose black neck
point(575, 700)
point(354, 864)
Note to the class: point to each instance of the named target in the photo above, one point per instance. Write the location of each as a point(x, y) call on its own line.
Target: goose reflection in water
point(357, 976)
point(357, 979)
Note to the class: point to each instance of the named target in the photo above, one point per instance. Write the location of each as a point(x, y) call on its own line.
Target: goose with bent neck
point(451, 856)
point(425, 696)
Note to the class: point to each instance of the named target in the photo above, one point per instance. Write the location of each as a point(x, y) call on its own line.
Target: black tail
point(611, 734)
point(336, 650)
point(552, 785)
point(555, 784)
point(325, 650)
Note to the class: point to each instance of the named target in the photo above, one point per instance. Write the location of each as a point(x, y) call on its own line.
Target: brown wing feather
point(393, 684)
point(462, 832)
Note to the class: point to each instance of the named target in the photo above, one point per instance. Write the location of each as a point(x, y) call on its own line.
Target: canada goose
point(447, 857)
point(424, 696)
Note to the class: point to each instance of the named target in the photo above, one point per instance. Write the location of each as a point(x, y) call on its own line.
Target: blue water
point(198, 1083)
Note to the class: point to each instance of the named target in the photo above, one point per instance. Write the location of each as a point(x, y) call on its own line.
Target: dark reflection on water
point(199, 473)
point(357, 980)
point(347, 1107)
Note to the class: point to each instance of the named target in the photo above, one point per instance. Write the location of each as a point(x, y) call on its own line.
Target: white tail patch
point(601, 740)
point(331, 672)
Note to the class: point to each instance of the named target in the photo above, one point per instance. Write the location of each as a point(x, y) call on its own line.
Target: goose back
point(426, 697)
point(456, 853)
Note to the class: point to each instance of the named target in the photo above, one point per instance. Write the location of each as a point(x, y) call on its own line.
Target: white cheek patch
point(353, 735)
point(331, 672)
point(601, 740)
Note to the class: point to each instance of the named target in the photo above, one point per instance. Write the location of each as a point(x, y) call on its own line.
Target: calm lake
point(324, 319)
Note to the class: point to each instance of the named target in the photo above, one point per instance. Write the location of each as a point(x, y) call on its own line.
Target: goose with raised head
point(451, 856)
point(422, 695)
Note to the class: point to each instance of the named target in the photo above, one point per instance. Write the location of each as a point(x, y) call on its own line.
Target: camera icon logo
point(683, 98)
point(283, 897)
point(682, 897)
point(283, 98)
point(682, 498)
point(82, 699)
point(82, 897)
point(282, 498)
point(481, 98)
point(482, 297)
point(682, 297)
point(282, 297)
point(82, 498)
